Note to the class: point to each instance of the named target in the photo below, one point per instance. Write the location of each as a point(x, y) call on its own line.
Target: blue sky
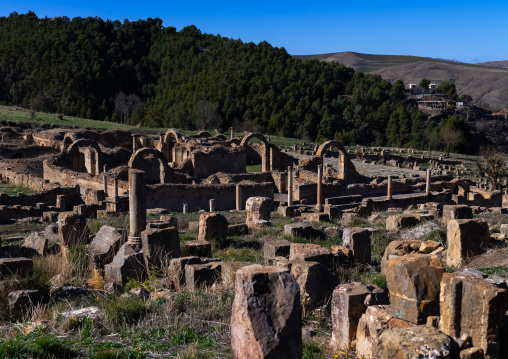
point(468, 31)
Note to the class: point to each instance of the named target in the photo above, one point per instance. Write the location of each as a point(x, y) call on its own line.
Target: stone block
point(72, 229)
point(472, 353)
point(460, 211)
point(64, 292)
point(414, 284)
point(348, 306)
point(348, 218)
point(21, 266)
point(276, 248)
point(465, 238)
point(51, 233)
point(194, 226)
point(200, 275)
point(474, 306)
point(105, 245)
point(285, 211)
point(504, 230)
point(312, 253)
point(159, 245)
point(197, 249)
point(50, 216)
point(213, 227)
point(400, 221)
point(23, 300)
point(415, 342)
point(315, 217)
point(35, 244)
point(258, 210)
point(128, 263)
point(373, 322)
point(316, 283)
point(177, 270)
point(303, 230)
point(277, 262)
point(333, 212)
point(357, 240)
point(238, 229)
point(266, 314)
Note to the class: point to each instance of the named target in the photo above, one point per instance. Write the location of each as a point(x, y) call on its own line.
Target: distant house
point(435, 104)
point(501, 115)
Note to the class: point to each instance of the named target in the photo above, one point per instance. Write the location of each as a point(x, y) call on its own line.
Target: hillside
point(486, 83)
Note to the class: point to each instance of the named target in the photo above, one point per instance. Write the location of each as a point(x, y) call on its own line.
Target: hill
point(486, 83)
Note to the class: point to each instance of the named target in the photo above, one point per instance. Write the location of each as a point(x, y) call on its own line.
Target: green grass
point(37, 344)
point(501, 271)
point(12, 190)
point(253, 168)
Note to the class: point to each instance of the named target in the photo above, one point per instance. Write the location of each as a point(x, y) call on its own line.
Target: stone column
point(290, 186)
point(238, 197)
point(232, 132)
point(134, 143)
point(389, 190)
point(427, 186)
point(185, 209)
point(105, 185)
point(115, 189)
point(137, 206)
point(60, 202)
point(212, 205)
point(161, 144)
point(319, 205)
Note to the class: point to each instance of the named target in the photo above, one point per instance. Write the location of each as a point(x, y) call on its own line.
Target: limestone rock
point(35, 244)
point(213, 227)
point(229, 270)
point(465, 238)
point(476, 307)
point(302, 230)
point(258, 211)
point(370, 326)
point(177, 269)
point(457, 212)
point(19, 266)
point(105, 245)
point(199, 275)
point(348, 306)
point(127, 263)
point(414, 285)
point(89, 312)
point(316, 283)
point(72, 229)
point(357, 240)
point(311, 252)
point(400, 221)
point(276, 248)
point(197, 249)
point(413, 343)
point(64, 292)
point(266, 314)
point(51, 233)
point(472, 353)
point(159, 245)
point(23, 300)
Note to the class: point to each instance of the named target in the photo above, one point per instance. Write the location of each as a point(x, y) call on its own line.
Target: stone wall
point(173, 196)
point(218, 159)
point(381, 205)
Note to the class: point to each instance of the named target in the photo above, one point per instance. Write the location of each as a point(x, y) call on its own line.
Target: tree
point(448, 89)
point(205, 115)
point(424, 85)
point(124, 104)
point(492, 167)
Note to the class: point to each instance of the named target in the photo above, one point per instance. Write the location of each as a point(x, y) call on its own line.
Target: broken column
point(427, 186)
point(465, 238)
point(232, 132)
point(319, 205)
point(238, 197)
point(212, 205)
point(137, 206)
point(105, 245)
point(115, 189)
point(266, 314)
point(389, 189)
point(290, 186)
point(258, 211)
point(105, 179)
point(213, 227)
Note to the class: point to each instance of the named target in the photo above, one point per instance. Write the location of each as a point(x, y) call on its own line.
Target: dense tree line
point(143, 72)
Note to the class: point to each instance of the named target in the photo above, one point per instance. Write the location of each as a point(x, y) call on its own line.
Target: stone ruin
point(425, 310)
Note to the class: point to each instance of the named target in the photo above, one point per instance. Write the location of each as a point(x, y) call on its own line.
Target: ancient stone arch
point(346, 171)
point(265, 152)
point(137, 161)
point(171, 137)
point(457, 186)
point(69, 139)
point(86, 156)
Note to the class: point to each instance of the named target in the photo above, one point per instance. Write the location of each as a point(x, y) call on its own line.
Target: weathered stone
point(348, 305)
point(476, 307)
point(276, 248)
point(197, 249)
point(213, 227)
point(64, 292)
point(199, 275)
point(348, 218)
point(472, 353)
point(429, 246)
point(105, 245)
point(177, 270)
point(72, 229)
point(238, 229)
point(277, 261)
point(372, 323)
point(316, 283)
point(194, 226)
point(414, 284)
point(411, 343)
point(419, 232)
point(266, 314)
point(159, 245)
point(35, 244)
point(51, 233)
point(19, 266)
point(312, 253)
point(286, 211)
point(127, 263)
point(316, 217)
point(357, 240)
point(397, 248)
point(400, 221)
point(258, 211)
point(465, 238)
point(89, 312)
point(229, 270)
point(457, 212)
point(23, 300)
point(504, 230)
point(302, 230)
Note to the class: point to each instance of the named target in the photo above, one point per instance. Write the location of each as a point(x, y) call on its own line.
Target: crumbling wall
point(173, 196)
point(218, 159)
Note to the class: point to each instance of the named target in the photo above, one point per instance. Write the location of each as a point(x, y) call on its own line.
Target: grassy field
point(11, 189)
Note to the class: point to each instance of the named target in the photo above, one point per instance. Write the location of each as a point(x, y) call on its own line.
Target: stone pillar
point(212, 206)
point(185, 209)
point(389, 190)
point(137, 207)
point(232, 132)
point(115, 189)
point(238, 197)
point(319, 204)
point(134, 143)
point(161, 144)
point(60, 202)
point(105, 185)
point(427, 187)
point(290, 186)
